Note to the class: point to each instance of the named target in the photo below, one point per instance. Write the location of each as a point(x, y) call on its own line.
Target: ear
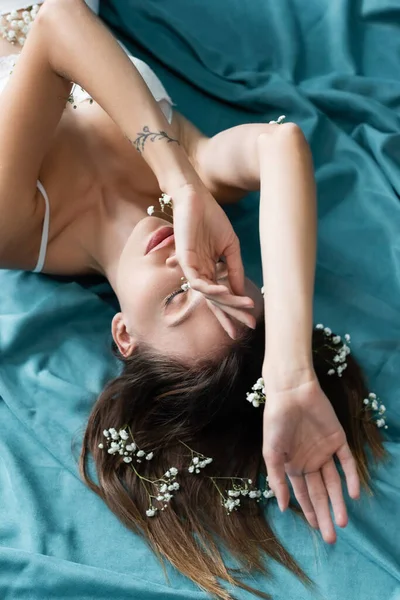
point(125, 342)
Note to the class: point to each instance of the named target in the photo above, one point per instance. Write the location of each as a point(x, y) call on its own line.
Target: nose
point(172, 260)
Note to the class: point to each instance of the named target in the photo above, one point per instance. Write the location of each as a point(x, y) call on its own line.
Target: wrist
point(176, 172)
point(284, 377)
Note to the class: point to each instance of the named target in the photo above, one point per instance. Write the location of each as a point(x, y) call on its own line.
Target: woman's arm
point(68, 43)
point(82, 50)
point(277, 159)
point(288, 226)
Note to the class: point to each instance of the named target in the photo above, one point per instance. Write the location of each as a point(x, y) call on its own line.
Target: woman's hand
point(203, 233)
point(301, 436)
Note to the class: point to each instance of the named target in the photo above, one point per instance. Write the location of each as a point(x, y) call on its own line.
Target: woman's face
point(153, 306)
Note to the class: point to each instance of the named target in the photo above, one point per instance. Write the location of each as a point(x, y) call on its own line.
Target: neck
point(112, 236)
point(119, 207)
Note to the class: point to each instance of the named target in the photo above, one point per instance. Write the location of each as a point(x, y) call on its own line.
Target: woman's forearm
point(288, 226)
point(83, 50)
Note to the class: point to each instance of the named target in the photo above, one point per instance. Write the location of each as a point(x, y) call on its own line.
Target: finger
point(212, 290)
point(235, 267)
point(301, 492)
point(240, 314)
point(319, 498)
point(277, 477)
point(228, 299)
point(203, 284)
point(224, 320)
point(333, 485)
point(350, 470)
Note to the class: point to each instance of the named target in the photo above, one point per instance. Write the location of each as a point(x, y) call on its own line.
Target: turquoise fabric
point(333, 68)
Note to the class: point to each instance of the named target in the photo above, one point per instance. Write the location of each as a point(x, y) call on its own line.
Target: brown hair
point(164, 403)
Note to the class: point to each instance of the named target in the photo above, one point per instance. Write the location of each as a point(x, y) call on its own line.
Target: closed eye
point(172, 295)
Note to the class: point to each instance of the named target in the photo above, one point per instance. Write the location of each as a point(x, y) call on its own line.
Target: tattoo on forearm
point(146, 134)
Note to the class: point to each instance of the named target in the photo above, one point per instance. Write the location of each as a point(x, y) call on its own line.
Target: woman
point(100, 165)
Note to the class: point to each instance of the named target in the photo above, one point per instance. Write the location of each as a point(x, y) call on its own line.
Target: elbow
point(285, 133)
point(54, 10)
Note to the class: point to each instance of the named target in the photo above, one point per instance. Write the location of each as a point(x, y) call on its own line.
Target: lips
point(160, 238)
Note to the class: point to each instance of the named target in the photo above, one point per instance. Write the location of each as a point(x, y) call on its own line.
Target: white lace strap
point(45, 232)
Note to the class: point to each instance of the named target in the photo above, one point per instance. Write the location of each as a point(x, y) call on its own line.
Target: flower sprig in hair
point(166, 484)
point(341, 349)
point(257, 395)
point(232, 500)
point(373, 403)
point(116, 442)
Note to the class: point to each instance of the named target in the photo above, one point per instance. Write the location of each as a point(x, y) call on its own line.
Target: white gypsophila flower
point(328, 331)
point(268, 494)
point(173, 471)
point(150, 210)
point(165, 199)
point(319, 326)
point(123, 434)
point(149, 456)
point(115, 436)
point(167, 474)
point(374, 405)
point(331, 372)
point(191, 469)
point(380, 422)
point(127, 459)
point(105, 433)
point(372, 396)
point(347, 337)
point(382, 408)
point(256, 403)
point(336, 339)
point(366, 401)
point(196, 460)
point(101, 445)
point(163, 488)
point(141, 453)
point(278, 121)
point(150, 512)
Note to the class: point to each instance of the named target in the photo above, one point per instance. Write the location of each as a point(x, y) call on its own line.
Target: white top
point(45, 231)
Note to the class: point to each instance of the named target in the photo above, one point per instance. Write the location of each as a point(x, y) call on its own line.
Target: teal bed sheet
point(333, 68)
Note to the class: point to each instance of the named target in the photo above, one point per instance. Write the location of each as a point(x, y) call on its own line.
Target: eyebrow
point(192, 307)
